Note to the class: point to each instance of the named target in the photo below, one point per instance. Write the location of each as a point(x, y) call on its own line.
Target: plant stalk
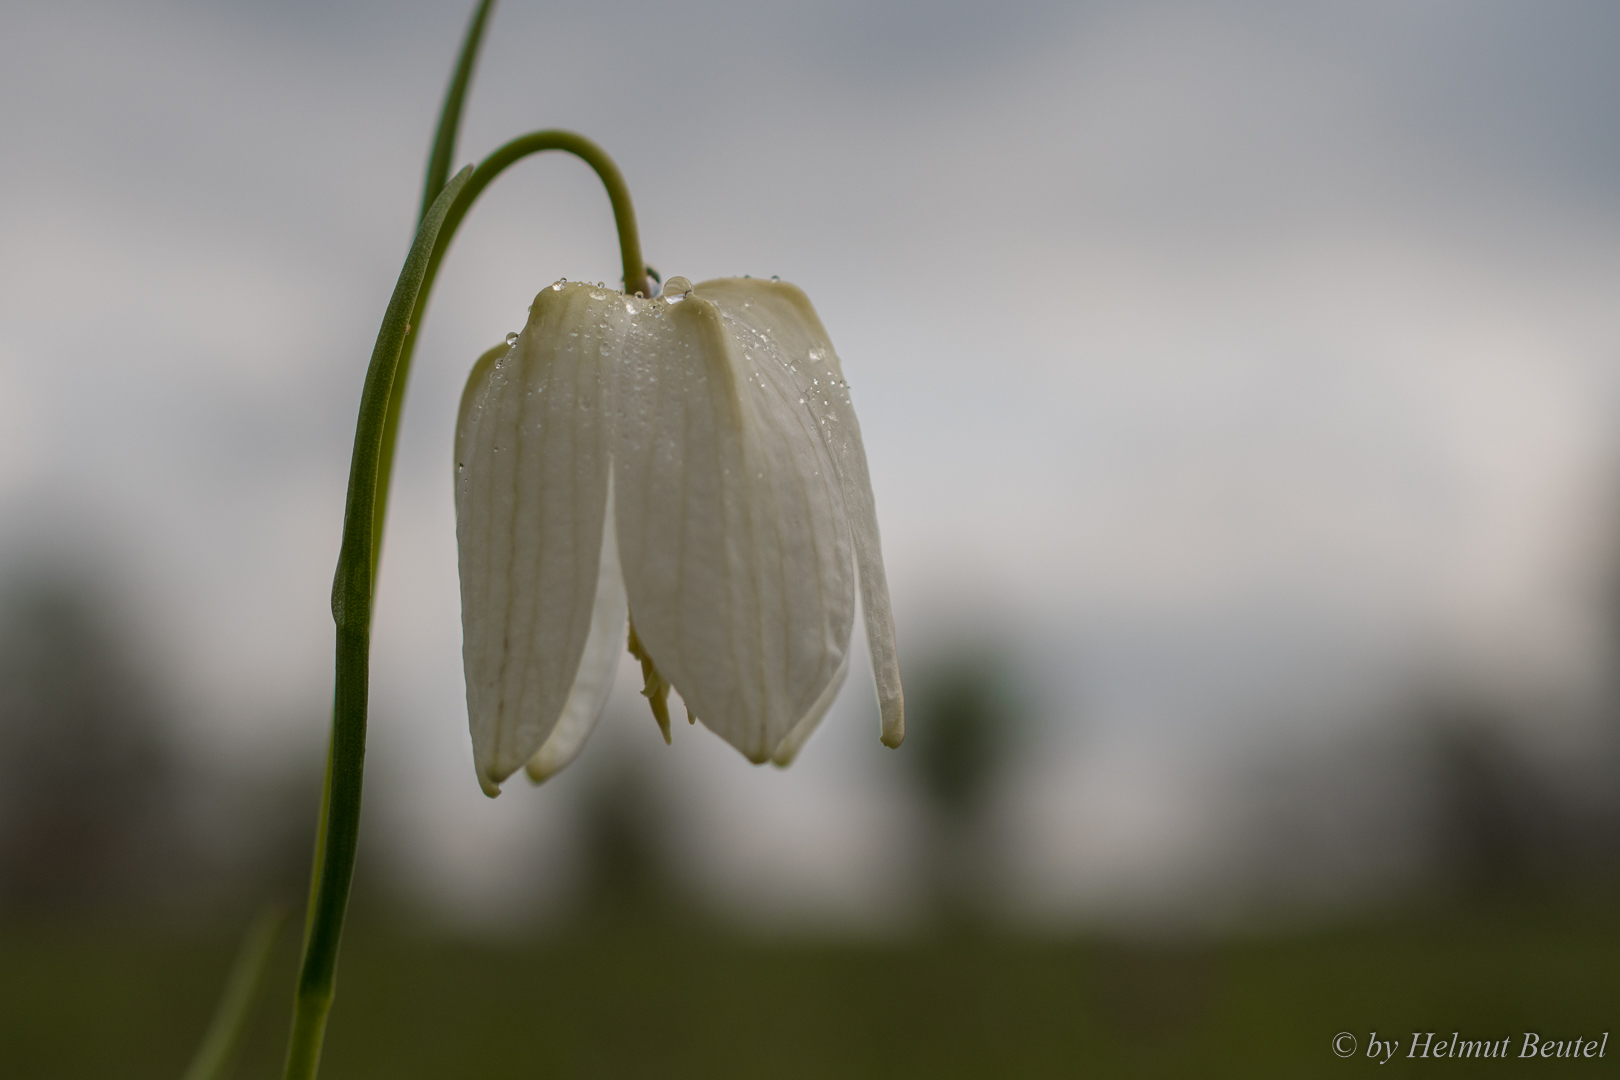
point(351, 611)
point(354, 588)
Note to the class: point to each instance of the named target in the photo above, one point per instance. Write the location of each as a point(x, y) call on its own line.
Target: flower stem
point(382, 400)
point(351, 611)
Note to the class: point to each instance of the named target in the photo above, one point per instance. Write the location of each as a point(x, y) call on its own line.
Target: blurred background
point(1240, 384)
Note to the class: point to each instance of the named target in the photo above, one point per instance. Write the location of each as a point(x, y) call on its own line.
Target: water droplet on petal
point(775, 278)
point(676, 289)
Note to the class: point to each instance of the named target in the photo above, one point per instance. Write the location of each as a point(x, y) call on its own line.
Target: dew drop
point(676, 289)
point(775, 278)
point(511, 339)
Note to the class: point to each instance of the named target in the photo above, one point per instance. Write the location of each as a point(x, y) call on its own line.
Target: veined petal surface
point(732, 528)
point(776, 319)
point(789, 747)
point(533, 454)
point(604, 645)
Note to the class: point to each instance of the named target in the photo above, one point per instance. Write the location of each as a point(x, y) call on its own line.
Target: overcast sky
point(1235, 364)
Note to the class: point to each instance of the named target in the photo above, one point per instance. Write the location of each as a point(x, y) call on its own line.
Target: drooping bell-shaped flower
point(692, 462)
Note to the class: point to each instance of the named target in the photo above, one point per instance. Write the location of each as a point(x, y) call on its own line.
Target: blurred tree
point(1486, 824)
point(87, 814)
point(1500, 826)
point(627, 878)
point(963, 719)
point(252, 829)
point(1444, 795)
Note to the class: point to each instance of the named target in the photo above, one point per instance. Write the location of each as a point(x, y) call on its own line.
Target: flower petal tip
point(894, 727)
point(490, 786)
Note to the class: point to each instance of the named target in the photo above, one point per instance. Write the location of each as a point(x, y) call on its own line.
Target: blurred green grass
point(646, 1001)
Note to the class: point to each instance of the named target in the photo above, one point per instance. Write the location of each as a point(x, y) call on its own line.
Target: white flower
point(694, 461)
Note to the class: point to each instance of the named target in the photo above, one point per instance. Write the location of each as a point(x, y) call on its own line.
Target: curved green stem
point(438, 172)
point(624, 217)
point(624, 212)
point(351, 611)
point(353, 590)
point(355, 584)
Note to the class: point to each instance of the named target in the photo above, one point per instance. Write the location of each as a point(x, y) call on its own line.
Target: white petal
point(789, 747)
point(781, 312)
point(603, 647)
point(736, 551)
point(532, 472)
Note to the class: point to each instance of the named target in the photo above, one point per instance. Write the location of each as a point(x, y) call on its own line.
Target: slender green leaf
point(236, 1003)
point(438, 168)
point(455, 99)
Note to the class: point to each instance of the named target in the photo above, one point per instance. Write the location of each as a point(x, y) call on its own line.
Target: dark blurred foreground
point(126, 872)
point(638, 1002)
